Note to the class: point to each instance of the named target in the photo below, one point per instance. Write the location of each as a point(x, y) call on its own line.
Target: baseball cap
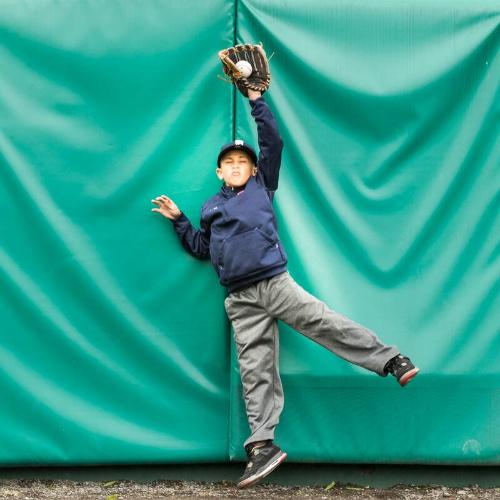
point(237, 144)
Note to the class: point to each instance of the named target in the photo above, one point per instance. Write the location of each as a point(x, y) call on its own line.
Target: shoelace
point(253, 453)
point(397, 362)
point(400, 361)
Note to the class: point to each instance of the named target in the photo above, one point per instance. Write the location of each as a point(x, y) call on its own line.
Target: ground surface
point(116, 490)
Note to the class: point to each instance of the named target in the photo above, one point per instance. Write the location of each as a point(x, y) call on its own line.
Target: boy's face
point(236, 167)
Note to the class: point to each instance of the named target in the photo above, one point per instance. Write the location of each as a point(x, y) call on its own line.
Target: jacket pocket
point(246, 254)
point(276, 243)
point(282, 251)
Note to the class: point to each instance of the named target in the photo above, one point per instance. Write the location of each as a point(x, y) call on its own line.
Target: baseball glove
point(252, 74)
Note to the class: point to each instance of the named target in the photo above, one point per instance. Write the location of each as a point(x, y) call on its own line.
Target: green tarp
point(115, 347)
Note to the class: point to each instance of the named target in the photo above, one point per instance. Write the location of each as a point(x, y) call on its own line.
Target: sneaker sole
point(408, 376)
point(257, 477)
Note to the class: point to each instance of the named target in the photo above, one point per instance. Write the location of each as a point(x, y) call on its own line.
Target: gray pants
point(254, 312)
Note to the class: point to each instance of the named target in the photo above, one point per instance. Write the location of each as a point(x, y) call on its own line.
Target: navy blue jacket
point(238, 228)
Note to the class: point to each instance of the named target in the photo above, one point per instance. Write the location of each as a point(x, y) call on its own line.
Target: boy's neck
point(233, 188)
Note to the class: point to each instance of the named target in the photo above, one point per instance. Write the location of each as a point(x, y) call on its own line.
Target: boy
point(238, 233)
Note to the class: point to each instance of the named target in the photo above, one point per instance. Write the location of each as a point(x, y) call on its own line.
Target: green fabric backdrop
point(115, 347)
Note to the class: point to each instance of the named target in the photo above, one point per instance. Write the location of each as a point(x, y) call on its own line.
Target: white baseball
point(245, 68)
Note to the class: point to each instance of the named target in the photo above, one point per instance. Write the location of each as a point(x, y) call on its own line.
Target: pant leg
point(257, 345)
point(289, 302)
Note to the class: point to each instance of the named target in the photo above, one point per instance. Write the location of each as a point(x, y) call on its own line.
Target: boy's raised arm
point(270, 142)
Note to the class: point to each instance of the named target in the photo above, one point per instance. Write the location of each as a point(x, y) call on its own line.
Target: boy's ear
point(218, 171)
point(254, 171)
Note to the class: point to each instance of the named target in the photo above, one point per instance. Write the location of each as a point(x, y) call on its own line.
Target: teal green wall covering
point(115, 347)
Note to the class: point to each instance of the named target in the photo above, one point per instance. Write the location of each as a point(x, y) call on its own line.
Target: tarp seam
point(233, 118)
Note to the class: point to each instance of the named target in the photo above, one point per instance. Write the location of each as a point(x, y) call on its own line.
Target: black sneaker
point(262, 460)
point(402, 368)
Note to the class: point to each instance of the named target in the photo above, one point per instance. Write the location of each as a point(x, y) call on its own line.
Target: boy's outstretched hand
point(166, 207)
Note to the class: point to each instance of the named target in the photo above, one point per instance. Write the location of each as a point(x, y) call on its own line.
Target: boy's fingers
point(162, 201)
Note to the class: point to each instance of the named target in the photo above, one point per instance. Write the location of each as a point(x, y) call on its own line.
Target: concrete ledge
point(290, 474)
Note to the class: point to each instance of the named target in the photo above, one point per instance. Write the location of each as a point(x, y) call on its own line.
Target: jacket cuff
point(182, 218)
point(256, 101)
